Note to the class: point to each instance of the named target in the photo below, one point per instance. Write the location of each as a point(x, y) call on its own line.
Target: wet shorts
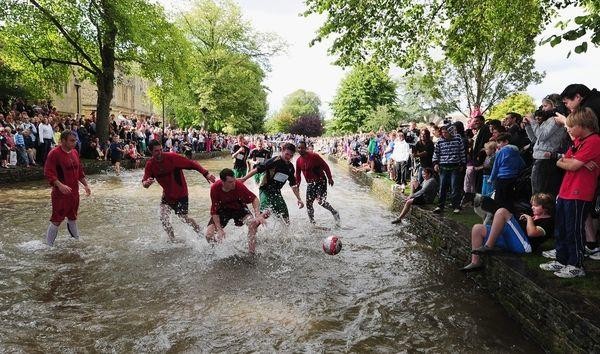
point(274, 202)
point(237, 215)
point(180, 207)
point(316, 190)
point(64, 207)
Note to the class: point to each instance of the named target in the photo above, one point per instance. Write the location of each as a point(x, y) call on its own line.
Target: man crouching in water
point(229, 198)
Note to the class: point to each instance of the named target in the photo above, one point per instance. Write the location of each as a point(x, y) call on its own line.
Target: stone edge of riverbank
point(552, 317)
point(20, 174)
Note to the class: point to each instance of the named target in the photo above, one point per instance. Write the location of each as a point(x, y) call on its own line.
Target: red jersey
point(168, 172)
point(235, 199)
point(313, 167)
point(65, 167)
point(581, 184)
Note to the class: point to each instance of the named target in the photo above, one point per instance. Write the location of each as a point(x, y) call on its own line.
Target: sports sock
point(72, 227)
point(51, 234)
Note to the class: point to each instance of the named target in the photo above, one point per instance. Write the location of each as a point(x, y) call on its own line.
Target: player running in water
point(64, 173)
point(240, 155)
point(167, 168)
point(229, 198)
point(278, 170)
point(314, 169)
point(258, 155)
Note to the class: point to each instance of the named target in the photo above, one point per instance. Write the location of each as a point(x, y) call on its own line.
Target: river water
point(124, 288)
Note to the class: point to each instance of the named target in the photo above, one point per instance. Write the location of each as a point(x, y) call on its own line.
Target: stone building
point(129, 97)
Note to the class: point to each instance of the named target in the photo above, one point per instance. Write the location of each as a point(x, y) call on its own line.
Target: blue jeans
point(450, 178)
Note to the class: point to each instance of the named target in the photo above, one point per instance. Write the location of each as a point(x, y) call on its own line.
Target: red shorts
point(64, 207)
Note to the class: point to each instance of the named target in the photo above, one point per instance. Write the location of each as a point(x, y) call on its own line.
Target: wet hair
point(289, 146)
point(584, 118)
point(572, 90)
point(66, 133)
point(226, 172)
point(153, 143)
point(503, 137)
point(545, 200)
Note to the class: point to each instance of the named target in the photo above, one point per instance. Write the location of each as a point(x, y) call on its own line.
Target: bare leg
point(478, 233)
point(406, 208)
point(252, 227)
point(191, 222)
point(500, 219)
point(166, 223)
point(591, 228)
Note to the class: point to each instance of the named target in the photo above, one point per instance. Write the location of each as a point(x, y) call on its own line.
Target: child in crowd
point(490, 151)
point(507, 165)
point(573, 205)
point(506, 232)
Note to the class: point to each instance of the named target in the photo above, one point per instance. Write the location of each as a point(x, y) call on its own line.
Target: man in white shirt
point(400, 155)
point(46, 138)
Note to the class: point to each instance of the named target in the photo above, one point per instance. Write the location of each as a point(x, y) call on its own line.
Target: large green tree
point(518, 102)
point(93, 36)
point(471, 52)
point(221, 88)
point(364, 89)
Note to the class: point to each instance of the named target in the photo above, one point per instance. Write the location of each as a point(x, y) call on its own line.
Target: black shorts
point(237, 215)
point(420, 200)
point(316, 190)
point(180, 207)
point(114, 160)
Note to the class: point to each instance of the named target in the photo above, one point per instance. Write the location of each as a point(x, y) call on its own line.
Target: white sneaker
point(570, 272)
point(549, 254)
point(595, 256)
point(552, 266)
point(592, 252)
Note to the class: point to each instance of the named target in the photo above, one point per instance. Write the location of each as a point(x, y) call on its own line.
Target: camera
point(543, 115)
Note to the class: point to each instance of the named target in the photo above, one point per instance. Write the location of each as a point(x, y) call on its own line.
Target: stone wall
point(559, 320)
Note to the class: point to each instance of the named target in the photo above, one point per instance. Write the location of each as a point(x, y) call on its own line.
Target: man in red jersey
point(64, 172)
point(314, 169)
point(167, 168)
point(230, 198)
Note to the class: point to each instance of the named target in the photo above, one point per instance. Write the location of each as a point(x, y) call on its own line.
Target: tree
point(93, 36)
point(281, 122)
point(310, 125)
point(385, 117)
point(301, 103)
point(519, 102)
point(365, 88)
point(486, 46)
point(221, 88)
point(586, 25)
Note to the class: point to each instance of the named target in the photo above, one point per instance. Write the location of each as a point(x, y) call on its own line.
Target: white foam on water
point(33, 246)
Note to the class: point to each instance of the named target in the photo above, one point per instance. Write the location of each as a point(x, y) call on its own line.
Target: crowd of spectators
point(518, 167)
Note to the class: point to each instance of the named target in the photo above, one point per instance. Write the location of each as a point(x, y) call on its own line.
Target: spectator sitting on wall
point(423, 194)
point(506, 232)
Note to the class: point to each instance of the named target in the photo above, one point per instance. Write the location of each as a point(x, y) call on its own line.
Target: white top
point(401, 151)
point(46, 131)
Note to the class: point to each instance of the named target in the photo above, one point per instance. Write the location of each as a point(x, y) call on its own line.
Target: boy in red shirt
point(64, 172)
point(229, 199)
point(167, 168)
point(577, 190)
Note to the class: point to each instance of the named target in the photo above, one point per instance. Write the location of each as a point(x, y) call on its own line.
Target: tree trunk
point(105, 84)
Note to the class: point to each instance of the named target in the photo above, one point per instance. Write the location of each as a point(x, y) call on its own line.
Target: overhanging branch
point(67, 36)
